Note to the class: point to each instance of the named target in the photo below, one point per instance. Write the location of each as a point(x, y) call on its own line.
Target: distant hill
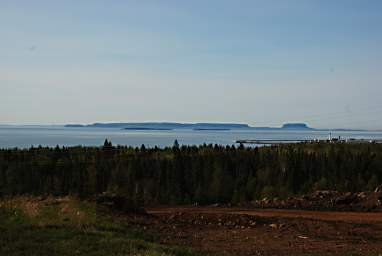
point(74, 125)
point(287, 126)
point(197, 126)
point(146, 129)
point(295, 126)
point(164, 126)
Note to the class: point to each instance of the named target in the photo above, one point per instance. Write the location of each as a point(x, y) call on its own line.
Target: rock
point(348, 198)
point(273, 225)
point(362, 195)
point(252, 223)
point(378, 189)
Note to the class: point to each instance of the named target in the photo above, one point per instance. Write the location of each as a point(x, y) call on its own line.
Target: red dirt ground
point(266, 231)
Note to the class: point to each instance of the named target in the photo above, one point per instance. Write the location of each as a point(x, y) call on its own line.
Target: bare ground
point(266, 231)
point(241, 230)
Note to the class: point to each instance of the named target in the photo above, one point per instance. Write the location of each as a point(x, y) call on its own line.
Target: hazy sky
point(259, 62)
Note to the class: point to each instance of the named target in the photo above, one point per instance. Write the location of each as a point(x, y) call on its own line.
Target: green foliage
point(321, 184)
point(372, 183)
point(269, 192)
point(188, 174)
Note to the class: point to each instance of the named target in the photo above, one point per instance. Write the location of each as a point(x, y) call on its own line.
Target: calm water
point(23, 137)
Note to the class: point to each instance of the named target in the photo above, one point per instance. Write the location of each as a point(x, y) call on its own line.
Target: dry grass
point(47, 226)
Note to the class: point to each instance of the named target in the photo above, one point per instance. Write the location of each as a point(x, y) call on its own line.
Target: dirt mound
point(327, 200)
point(212, 219)
point(118, 203)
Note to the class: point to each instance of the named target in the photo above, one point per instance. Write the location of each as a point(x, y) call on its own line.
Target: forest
point(202, 174)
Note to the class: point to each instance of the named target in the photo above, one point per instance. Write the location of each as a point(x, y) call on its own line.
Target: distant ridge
point(200, 126)
point(74, 125)
point(146, 129)
point(164, 125)
point(295, 126)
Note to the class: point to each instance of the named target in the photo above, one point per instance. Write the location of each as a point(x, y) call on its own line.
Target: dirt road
point(268, 231)
point(360, 217)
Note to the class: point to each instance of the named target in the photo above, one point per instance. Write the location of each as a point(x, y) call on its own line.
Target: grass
point(73, 228)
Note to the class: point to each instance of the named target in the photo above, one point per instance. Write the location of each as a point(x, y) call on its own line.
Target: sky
point(259, 62)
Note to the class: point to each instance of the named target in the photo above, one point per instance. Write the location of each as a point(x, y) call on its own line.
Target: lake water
point(24, 137)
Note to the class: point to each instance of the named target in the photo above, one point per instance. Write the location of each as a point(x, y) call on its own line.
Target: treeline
point(189, 174)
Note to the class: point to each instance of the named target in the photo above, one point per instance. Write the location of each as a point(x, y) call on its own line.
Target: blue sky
point(258, 62)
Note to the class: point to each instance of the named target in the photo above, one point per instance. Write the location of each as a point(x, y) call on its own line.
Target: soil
point(265, 231)
point(327, 200)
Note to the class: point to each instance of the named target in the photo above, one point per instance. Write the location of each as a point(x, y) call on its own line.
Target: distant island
point(287, 126)
point(147, 129)
point(198, 126)
point(211, 129)
point(164, 126)
point(296, 126)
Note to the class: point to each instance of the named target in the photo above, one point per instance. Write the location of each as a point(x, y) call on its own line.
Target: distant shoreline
point(147, 129)
point(168, 126)
point(211, 129)
point(190, 126)
point(164, 126)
